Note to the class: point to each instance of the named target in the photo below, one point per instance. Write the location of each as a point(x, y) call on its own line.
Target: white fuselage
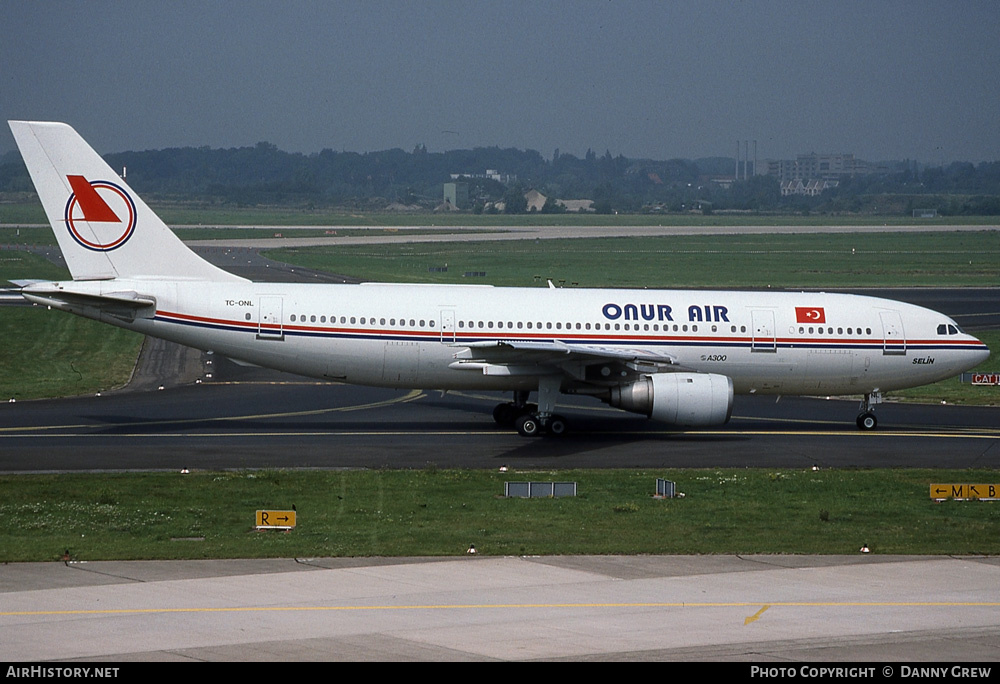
point(407, 336)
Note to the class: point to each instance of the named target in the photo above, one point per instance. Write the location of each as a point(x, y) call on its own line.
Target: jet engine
point(688, 399)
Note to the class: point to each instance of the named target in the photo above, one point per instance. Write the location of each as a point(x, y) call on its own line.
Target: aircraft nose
point(979, 355)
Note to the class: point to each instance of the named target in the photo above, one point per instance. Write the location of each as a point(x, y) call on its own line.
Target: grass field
point(744, 261)
point(55, 354)
point(193, 214)
point(442, 512)
point(42, 235)
point(24, 265)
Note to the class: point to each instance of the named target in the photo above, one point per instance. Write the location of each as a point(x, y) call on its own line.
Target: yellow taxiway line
point(518, 606)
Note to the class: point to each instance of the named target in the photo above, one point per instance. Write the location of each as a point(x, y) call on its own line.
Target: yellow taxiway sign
point(965, 491)
point(283, 520)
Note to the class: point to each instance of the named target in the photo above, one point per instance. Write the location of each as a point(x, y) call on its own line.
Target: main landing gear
point(866, 418)
point(531, 420)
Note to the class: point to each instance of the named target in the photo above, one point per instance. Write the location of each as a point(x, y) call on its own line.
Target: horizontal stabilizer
point(125, 304)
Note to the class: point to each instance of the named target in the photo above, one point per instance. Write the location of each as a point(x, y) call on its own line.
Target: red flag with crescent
point(810, 314)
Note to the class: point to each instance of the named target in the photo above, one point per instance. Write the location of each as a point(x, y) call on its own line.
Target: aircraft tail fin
point(103, 228)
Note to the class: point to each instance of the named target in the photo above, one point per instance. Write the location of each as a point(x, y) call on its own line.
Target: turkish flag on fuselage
point(810, 314)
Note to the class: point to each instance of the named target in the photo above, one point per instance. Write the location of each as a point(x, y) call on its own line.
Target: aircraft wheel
point(867, 421)
point(556, 426)
point(528, 425)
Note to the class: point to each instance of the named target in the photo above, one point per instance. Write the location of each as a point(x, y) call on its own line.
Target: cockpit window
point(948, 329)
point(942, 329)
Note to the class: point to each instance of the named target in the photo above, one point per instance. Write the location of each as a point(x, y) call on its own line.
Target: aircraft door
point(764, 339)
point(892, 331)
point(269, 319)
point(447, 326)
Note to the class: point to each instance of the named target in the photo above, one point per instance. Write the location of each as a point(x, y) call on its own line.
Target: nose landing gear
point(866, 418)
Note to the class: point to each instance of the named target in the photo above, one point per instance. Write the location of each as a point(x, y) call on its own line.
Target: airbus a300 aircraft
point(677, 356)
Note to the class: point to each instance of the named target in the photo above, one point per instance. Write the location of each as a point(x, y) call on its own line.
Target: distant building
point(491, 174)
point(457, 194)
point(535, 199)
point(812, 166)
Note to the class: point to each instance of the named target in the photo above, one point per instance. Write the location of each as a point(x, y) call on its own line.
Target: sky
point(881, 79)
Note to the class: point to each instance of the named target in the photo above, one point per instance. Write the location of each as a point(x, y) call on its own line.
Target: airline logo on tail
point(100, 215)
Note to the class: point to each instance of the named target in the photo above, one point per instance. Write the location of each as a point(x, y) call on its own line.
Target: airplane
point(676, 356)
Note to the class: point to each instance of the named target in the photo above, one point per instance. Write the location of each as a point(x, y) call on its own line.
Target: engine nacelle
point(688, 399)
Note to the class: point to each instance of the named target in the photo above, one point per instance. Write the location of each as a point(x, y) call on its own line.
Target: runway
point(780, 610)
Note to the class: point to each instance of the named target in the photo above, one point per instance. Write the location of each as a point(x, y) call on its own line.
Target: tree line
point(264, 175)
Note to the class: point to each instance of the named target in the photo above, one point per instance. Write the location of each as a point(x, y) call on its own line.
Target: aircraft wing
point(517, 357)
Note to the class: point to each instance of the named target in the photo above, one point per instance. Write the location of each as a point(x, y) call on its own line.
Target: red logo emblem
point(810, 314)
point(100, 215)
